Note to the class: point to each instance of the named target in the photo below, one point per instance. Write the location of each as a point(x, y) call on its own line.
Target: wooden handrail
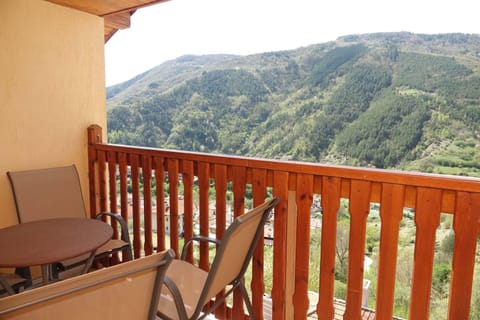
point(296, 183)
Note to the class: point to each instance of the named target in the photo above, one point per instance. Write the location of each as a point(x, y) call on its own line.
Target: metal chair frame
point(261, 213)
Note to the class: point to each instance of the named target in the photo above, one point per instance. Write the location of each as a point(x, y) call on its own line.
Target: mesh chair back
point(127, 291)
point(47, 193)
point(236, 248)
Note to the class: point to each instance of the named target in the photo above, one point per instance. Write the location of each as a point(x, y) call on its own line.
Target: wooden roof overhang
point(116, 13)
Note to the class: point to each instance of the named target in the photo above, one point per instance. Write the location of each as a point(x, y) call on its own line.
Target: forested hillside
point(386, 100)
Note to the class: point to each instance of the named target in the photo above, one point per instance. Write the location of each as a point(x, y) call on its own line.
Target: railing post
point(94, 136)
point(466, 224)
point(291, 254)
point(331, 194)
point(391, 212)
point(304, 199)
point(280, 299)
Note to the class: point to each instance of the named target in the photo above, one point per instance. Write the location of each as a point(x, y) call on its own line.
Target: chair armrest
point(125, 236)
point(199, 239)
point(177, 297)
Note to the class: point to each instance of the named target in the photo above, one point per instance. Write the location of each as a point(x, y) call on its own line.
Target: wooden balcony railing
point(297, 184)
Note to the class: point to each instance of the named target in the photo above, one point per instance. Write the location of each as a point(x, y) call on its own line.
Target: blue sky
point(177, 27)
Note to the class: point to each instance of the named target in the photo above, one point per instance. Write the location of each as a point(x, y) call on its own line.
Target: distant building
point(181, 212)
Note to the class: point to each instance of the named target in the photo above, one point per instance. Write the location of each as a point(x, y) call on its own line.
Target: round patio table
point(44, 242)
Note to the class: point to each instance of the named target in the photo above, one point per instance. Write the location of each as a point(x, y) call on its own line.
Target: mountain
point(387, 100)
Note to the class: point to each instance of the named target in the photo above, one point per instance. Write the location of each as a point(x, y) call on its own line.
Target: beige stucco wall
point(52, 87)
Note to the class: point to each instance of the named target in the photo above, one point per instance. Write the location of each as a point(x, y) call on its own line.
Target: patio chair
point(127, 291)
point(188, 288)
point(11, 283)
point(56, 193)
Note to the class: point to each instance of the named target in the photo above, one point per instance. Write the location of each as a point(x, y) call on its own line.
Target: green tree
point(343, 238)
point(446, 246)
point(194, 130)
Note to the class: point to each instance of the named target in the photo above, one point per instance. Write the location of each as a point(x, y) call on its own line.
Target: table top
point(51, 240)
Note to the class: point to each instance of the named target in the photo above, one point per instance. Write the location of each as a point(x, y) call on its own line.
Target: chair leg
point(24, 272)
point(246, 299)
point(129, 253)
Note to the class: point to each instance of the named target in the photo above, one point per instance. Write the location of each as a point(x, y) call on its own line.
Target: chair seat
point(107, 248)
point(12, 278)
point(190, 281)
point(77, 264)
point(111, 245)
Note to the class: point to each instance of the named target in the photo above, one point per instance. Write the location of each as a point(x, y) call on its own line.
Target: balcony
point(114, 169)
point(44, 126)
point(41, 129)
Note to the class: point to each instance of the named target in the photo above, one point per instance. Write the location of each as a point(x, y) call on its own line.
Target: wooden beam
point(118, 21)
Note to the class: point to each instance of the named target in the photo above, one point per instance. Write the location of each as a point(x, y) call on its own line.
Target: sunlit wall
point(52, 87)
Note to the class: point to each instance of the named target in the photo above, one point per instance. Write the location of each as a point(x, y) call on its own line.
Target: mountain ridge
point(389, 100)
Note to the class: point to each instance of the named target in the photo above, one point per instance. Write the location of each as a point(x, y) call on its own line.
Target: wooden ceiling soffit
point(114, 22)
point(116, 13)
